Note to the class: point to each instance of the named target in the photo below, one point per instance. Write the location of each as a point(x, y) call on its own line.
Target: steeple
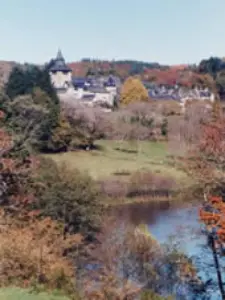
point(59, 55)
point(60, 64)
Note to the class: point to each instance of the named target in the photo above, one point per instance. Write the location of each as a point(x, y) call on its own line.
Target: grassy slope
point(104, 163)
point(20, 294)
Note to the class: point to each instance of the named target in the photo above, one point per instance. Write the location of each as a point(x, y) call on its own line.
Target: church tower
point(60, 73)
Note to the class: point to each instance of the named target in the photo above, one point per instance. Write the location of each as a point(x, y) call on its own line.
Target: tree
point(28, 115)
point(211, 66)
point(185, 132)
point(88, 124)
point(24, 80)
point(220, 84)
point(67, 196)
point(33, 81)
point(133, 91)
point(206, 164)
point(16, 84)
point(128, 261)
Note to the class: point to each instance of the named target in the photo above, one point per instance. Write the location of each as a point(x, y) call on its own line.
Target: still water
point(180, 225)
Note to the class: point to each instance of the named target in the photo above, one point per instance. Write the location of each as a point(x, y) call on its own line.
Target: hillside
point(183, 75)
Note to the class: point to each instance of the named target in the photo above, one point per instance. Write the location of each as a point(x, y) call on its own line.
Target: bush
point(139, 184)
point(150, 184)
point(113, 188)
point(35, 255)
point(164, 127)
point(68, 196)
point(150, 295)
point(62, 136)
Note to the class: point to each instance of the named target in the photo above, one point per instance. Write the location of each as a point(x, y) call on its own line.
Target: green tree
point(220, 84)
point(27, 118)
point(23, 81)
point(133, 91)
point(35, 82)
point(68, 196)
point(16, 84)
point(211, 66)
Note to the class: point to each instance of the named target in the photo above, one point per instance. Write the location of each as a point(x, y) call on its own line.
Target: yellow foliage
point(133, 91)
point(36, 254)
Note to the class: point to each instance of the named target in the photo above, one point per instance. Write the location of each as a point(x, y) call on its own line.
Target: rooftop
point(59, 64)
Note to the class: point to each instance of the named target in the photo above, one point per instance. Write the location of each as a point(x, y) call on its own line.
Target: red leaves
point(215, 218)
point(206, 162)
point(212, 142)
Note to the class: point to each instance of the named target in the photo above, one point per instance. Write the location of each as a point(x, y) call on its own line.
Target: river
point(179, 225)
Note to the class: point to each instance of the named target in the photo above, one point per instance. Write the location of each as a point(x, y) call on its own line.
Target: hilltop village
point(104, 90)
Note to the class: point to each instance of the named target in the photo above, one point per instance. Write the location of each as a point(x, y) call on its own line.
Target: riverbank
point(139, 200)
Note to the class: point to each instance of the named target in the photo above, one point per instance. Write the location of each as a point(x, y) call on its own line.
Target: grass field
point(20, 294)
point(119, 157)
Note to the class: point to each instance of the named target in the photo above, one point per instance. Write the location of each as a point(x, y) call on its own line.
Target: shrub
point(139, 184)
point(150, 295)
point(164, 127)
point(113, 188)
point(62, 136)
point(35, 255)
point(147, 183)
point(68, 196)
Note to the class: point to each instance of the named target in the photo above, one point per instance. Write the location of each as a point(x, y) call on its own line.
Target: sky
point(164, 31)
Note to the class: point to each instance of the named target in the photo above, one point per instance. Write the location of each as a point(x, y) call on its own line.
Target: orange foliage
point(32, 250)
point(35, 253)
point(207, 165)
point(216, 217)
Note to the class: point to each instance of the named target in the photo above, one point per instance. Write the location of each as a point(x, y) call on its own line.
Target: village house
point(89, 91)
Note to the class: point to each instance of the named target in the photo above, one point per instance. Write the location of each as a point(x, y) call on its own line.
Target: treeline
point(116, 67)
point(215, 67)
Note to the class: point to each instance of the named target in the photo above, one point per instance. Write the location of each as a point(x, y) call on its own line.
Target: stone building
point(60, 73)
point(88, 90)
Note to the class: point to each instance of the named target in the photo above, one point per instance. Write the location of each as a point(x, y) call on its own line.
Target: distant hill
point(155, 73)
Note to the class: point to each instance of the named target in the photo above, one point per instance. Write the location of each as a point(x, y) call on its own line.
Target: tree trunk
point(217, 266)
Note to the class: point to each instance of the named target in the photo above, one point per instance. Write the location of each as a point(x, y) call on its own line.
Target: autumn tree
point(185, 131)
point(206, 164)
point(33, 249)
point(87, 124)
point(129, 261)
point(133, 91)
